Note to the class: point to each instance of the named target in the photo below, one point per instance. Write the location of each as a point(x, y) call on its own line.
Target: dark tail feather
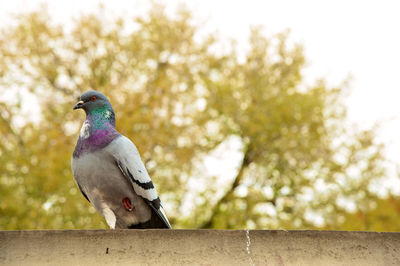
point(156, 221)
point(161, 216)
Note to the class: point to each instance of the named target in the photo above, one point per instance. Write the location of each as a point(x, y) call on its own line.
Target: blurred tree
point(301, 167)
point(178, 100)
point(383, 216)
point(148, 75)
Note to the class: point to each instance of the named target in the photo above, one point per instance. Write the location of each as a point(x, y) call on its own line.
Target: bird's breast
point(105, 185)
point(96, 170)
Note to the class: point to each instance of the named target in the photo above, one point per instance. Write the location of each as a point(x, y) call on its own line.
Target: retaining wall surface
point(198, 247)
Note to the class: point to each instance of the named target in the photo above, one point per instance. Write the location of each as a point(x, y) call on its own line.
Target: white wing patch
point(149, 194)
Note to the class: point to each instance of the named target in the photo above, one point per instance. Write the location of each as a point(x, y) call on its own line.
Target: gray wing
point(129, 162)
point(73, 167)
point(83, 193)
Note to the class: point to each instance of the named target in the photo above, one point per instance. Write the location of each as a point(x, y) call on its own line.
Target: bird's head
point(92, 101)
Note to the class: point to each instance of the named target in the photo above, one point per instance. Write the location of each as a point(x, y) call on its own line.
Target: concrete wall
point(198, 247)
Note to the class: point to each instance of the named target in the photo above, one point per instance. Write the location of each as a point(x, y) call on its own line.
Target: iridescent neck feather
point(97, 131)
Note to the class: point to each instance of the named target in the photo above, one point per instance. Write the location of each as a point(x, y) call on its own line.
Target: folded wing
point(129, 162)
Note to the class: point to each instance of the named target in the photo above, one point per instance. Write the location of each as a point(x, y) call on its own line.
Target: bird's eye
point(93, 98)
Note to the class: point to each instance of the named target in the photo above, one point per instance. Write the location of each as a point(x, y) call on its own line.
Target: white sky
point(341, 38)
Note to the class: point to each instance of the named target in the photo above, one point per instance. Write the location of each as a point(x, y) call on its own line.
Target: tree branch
point(245, 163)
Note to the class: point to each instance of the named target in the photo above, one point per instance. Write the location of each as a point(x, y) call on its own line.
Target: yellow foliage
point(177, 100)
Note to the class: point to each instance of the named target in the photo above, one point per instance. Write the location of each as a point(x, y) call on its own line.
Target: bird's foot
point(127, 204)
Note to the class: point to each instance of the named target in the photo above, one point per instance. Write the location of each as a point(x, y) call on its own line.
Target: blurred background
point(247, 114)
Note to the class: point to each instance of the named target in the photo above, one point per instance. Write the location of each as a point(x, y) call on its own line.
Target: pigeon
point(109, 171)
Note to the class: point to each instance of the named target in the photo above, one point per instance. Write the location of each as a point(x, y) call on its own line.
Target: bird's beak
point(78, 105)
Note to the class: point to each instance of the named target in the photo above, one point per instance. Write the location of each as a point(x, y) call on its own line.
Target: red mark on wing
point(127, 204)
